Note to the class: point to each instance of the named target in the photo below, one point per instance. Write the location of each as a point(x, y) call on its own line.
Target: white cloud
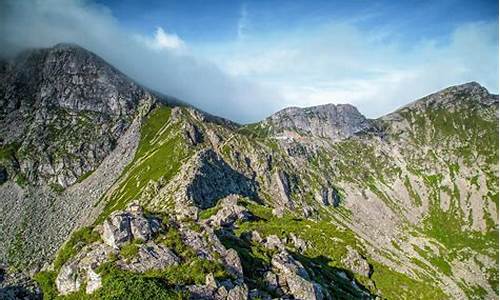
point(32, 23)
point(340, 63)
point(257, 74)
point(163, 40)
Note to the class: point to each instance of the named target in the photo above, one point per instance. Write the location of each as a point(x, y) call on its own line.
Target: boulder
point(200, 292)
point(294, 279)
point(298, 243)
point(116, 229)
point(271, 281)
point(124, 226)
point(69, 280)
point(228, 214)
point(150, 256)
point(356, 263)
point(239, 292)
point(273, 242)
point(82, 269)
point(210, 281)
point(232, 262)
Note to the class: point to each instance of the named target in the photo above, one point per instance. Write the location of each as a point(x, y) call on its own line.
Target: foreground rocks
point(82, 269)
point(293, 279)
point(133, 229)
point(229, 213)
point(150, 256)
point(122, 227)
point(356, 263)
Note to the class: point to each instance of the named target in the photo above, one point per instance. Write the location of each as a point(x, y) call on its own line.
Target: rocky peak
point(63, 108)
point(67, 76)
point(331, 121)
point(469, 94)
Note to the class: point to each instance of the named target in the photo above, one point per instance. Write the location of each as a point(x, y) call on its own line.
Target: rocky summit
point(109, 190)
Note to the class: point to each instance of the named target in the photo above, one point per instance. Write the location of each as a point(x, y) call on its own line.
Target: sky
point(244, 60)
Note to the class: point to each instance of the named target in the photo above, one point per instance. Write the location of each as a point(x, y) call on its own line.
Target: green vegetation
point(395, 285)
point(76, 242)
point(8, 151)
point(322, 234)
point(193, 272)
point(116, 284)
point(120, 284)
point(159, 156)
point(84, 176)
point(207, 213)
point(436, 260)
point(130, 250)
point(255, 130)
point(21, 180)
point(46, 281)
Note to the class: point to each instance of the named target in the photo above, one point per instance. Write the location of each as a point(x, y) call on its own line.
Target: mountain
point(112, 190)
point(330, 121)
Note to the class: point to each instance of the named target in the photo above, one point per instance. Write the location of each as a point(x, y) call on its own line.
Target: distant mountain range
point(109, 189)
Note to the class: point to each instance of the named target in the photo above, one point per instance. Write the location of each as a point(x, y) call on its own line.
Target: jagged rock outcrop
point(82, 269)
point(125, 226)
point(120, 228)
point(335, 122)
point(201, 182)
point(229, 213)
point(293, 278)
point(356, 263)
point(64, 108)
point(150, 256)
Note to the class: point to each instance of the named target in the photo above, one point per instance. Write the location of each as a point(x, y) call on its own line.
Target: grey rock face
point(216, 179)
point(239, 292)
point(124, 226)
point(230, 212)
point(82, 269)
point(293, 277)
point(355, 262)
point(64, 108)
point(202, 181)
point(193, 134)
point(232, 262)
point(149, 257)
point(335, 122)
point(273, 242)
point(283, 187)
point(329, 196)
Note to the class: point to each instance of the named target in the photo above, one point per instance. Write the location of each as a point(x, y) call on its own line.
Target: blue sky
point(246, 59)
point(217, 21)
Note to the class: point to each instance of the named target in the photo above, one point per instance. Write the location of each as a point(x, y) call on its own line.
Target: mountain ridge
point(410, 196)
